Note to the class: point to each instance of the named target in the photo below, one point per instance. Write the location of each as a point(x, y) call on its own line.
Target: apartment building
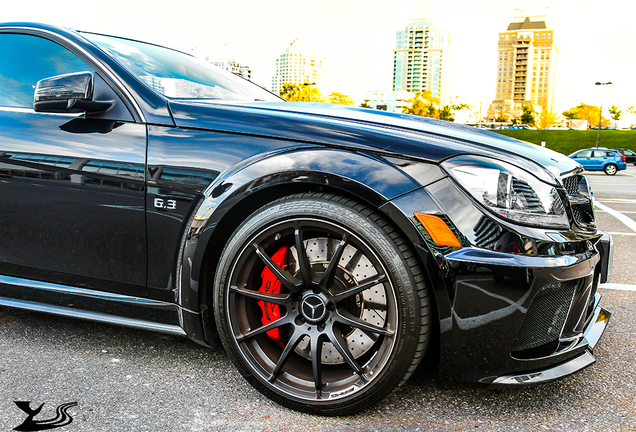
point(421, 59)
point(297, 65)
point(526, 67)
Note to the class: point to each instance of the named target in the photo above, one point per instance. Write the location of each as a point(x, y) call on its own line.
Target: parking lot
point(128, 380)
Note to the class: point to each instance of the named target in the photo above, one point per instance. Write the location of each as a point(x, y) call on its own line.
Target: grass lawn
point(569, 141)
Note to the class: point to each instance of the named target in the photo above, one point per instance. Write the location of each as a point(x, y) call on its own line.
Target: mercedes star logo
point(313, 308)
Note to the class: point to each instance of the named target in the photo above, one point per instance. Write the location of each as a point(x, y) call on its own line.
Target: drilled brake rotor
point(369, 306)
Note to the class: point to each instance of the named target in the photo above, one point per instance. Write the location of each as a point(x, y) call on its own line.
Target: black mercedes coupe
point(328, 248)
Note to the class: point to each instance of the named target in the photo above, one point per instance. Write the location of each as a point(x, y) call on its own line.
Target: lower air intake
point(546, 316)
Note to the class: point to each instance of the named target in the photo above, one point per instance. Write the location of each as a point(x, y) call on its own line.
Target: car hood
point(364, 129)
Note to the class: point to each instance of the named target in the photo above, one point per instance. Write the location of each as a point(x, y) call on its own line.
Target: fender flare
point(364, 176)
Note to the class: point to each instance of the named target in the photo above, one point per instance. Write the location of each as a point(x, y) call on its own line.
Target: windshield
point(178, 75)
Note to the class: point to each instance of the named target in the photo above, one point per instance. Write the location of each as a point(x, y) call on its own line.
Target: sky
point(355, 39)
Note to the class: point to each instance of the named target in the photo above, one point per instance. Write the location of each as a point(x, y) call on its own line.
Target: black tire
point(350, 333)
point(610, 169)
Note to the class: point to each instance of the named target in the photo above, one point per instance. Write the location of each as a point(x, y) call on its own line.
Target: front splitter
point(592, 334)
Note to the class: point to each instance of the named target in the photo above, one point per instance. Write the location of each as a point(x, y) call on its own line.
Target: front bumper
point(520, 304)
point(518, 318)
point(590, 338)
point(596, 324)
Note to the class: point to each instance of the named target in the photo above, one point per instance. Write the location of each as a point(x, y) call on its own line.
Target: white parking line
point(621, 234)
point(618, 215)
point(617, 200)
point(620, 287)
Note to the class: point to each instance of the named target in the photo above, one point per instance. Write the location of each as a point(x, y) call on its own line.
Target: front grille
point(578, 190)
point(546, 316)
point(571, 184)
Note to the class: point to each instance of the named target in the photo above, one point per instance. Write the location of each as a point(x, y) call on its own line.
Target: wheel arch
point(233, 198)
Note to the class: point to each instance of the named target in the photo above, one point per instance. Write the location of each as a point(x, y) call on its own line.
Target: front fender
point(236, 194)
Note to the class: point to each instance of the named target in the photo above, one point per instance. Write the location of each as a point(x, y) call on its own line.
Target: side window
point(26, 59)
point(583, 154)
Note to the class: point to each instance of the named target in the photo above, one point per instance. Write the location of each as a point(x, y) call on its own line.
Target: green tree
point(583, 111)
point(301, 93)
point(448, 111)
point(340, 99)
point(615, 114)
point(423, 104)
point(527, 114)
point(501, 117)
point(365, 103)
point(571, 114)
point(459, 107)
point(446, 114)
point(547, 119)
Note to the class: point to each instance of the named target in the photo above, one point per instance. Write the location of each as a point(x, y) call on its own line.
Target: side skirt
point(99, 306)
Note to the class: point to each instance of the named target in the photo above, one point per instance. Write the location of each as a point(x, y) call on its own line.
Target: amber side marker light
point(438, 230)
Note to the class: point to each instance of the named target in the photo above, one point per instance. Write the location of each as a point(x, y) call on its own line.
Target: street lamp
point(600, 115)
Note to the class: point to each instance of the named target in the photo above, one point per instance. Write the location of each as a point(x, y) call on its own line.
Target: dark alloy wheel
point(610, 169)
point(321, 304)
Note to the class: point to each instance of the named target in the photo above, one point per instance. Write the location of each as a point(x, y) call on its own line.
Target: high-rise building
point(526, 67)
point(219, 57)
point(421, 59)
point(297, 65)
point(235, 67)
point(391, 101)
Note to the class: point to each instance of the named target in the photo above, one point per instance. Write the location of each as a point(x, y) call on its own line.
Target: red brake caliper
point(271, 285)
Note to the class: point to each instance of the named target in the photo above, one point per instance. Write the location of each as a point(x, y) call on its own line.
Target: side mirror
point(68, 93)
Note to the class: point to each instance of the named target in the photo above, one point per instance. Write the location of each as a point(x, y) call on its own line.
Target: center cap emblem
point(313, 308)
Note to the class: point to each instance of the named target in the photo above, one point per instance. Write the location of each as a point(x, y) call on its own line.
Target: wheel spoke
point(375, 307)
point(316, 363)
point(345, 317)
point(267, 327)
point(364, 285)
point(330, 273)
point(353, 262)
point(339, 343)
point(303, 260)
point(290, 282)
point(289, 348)
point(278, 299)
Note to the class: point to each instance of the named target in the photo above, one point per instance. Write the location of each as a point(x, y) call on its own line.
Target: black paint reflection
point(73, 194)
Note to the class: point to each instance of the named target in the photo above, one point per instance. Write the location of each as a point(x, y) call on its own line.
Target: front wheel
point(610, 169)
point(321, 304)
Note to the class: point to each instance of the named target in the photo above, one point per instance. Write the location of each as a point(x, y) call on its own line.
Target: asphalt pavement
point(129, 380)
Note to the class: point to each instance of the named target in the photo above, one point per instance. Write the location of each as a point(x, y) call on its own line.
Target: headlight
point(509, 191)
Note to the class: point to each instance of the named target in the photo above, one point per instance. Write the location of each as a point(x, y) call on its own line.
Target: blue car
point(609, 161)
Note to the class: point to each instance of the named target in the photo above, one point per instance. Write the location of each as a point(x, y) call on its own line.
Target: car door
point(585, 159)
point(72, 185)
point(602, 158)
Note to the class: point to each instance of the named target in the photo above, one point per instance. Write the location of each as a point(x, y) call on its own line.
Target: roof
point(527, 25)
